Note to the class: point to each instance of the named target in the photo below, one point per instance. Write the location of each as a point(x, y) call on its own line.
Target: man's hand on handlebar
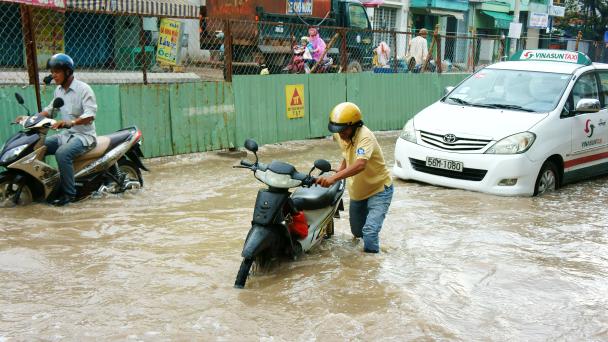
point(61, 124)
point(326, 182)
point(20, 119)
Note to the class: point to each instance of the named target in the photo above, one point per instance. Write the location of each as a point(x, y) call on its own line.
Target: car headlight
point(408, 133)
point(276, 180)
point(516, 143)
point(11, 154)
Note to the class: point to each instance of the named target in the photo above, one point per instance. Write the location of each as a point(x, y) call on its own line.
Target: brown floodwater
point(160, 263)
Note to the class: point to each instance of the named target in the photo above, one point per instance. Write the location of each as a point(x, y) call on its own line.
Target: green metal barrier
point(197, 117)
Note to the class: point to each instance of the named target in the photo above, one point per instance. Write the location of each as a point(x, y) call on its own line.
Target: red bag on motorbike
point(299, 226)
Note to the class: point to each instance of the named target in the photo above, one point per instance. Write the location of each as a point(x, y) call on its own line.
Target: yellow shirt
point(376, 175)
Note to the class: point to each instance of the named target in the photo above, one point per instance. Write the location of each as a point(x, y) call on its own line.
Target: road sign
point(294, 100)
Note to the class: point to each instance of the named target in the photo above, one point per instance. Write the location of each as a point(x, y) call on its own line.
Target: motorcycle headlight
point(514, 144)
point(11, 154)
point(408, 133)
point(276, 180)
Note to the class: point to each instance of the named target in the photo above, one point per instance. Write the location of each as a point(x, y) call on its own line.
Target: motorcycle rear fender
point(258, 239)
point(135, 155)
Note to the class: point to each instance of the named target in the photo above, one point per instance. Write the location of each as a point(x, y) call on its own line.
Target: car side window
point(586, 87)
point(604, 87)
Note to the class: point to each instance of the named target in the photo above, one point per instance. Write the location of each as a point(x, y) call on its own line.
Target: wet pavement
point(159, 264)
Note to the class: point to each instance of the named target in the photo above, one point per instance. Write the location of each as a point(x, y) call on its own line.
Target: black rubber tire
point(329, 230)
point(27, 195)
point(547, 180)
point(130, 168)
point(241, 277)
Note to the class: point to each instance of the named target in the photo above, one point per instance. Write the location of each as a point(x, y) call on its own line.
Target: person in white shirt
point(77, 116)
point(418, 48)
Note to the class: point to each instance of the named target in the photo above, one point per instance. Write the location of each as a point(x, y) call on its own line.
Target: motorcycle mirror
point(323, 165)
point(47, 79)
point(19, 98)
point(58, 103)
point(251, 145)
point(21, 102)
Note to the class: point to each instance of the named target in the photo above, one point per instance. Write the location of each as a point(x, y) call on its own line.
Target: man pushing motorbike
point(369, 182)
point(77, 116)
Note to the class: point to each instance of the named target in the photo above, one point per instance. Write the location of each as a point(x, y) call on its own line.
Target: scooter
point(112, 166)
point(276, 228)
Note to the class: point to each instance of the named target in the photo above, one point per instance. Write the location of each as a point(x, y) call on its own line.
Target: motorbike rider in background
point(369, 181)
point(77, 116)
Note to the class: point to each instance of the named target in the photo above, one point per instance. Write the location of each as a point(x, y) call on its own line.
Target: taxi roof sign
point(573, 57)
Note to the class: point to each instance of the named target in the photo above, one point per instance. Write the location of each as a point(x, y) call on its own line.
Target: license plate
point(445, 164)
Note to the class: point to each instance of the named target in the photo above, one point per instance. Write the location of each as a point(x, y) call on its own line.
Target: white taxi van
point(520, 127)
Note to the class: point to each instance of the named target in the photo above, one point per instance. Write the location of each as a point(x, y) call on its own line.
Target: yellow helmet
point(344, 115)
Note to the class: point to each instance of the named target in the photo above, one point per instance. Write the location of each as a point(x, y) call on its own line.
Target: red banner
point(43, 3)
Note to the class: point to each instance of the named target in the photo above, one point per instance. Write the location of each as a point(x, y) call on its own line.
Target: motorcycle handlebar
point(246, 163)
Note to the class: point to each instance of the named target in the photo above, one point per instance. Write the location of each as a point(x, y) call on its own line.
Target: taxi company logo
point(561, 56)
point(589, 128)
point(449, 138)
point(590, 143)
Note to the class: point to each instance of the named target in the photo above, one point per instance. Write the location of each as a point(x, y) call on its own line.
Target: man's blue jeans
point(367, 216)
point(65, 154)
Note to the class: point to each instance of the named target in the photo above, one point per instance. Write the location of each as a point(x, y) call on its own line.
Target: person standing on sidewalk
point(368, 179)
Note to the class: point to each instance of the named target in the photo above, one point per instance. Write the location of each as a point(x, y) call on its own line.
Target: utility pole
point(513, 46)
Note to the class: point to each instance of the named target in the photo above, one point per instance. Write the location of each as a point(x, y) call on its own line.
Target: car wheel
point(547, 180)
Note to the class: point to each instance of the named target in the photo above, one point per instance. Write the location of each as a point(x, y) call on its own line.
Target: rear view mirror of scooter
point(57, 103)
point(322, 165)
point(252, 146)
point(21, 102)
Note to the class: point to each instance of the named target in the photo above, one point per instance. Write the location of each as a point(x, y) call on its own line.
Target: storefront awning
point(164, 8)
point(501, 20)
point(42, 3)
point(457, 15)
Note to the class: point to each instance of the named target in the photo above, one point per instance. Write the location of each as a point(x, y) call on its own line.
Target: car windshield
point(528, 91)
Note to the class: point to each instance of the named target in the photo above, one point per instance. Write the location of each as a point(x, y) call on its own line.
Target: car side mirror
point(588, 106)
point(251, 145)
point(323, 165)
point(448, 90)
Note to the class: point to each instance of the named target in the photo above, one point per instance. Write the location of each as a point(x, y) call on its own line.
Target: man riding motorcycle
point(77, 116)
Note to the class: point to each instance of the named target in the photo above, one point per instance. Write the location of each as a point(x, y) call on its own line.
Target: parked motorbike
point(286, 223)
point(112, 166)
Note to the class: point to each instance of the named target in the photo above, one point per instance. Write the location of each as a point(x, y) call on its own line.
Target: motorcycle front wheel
point(241, 277)
point(8, 191)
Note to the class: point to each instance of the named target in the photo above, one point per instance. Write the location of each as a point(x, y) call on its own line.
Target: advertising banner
point(538, 20)
point(169, 41)
point(302, 7)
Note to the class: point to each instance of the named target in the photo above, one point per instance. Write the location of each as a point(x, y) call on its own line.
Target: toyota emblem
point(449, 138)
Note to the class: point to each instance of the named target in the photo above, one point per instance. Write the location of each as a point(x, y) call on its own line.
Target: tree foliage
point(588, 16)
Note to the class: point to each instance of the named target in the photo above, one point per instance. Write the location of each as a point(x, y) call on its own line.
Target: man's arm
point(358, 166)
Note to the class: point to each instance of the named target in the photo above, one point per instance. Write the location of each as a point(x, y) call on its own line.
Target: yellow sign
point(169, 41)
point(294, 100)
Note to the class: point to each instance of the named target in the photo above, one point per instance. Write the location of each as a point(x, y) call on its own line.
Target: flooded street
point(159, 264)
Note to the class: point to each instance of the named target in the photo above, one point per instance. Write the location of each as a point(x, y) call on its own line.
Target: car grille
point(460, 144)
point(467, 174)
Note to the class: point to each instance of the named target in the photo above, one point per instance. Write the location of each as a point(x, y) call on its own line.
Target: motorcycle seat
point(100, 148)
point(315, 197)
point(105, 143)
